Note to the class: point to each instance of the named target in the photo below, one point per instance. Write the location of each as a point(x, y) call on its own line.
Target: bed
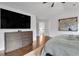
point(62, 45)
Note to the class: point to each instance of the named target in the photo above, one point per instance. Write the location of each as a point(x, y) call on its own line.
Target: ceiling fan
point(53, 3)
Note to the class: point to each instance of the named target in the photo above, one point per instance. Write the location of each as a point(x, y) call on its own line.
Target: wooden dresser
point(18, 43)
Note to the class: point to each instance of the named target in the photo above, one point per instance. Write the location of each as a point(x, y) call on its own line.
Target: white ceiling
point(42, 11)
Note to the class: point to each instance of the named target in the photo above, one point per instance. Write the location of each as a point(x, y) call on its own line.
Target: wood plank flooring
point(20, 52)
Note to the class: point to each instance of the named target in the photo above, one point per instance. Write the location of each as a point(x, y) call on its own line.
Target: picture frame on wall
point(68, 24)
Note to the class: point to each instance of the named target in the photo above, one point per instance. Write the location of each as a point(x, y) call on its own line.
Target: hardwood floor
point(43, 41)
point(24, 50)
point(20, 52)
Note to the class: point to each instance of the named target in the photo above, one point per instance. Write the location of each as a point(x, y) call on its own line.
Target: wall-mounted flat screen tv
point(14, 20)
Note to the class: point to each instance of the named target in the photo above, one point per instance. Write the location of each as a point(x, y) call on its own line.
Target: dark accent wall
point(14, 20)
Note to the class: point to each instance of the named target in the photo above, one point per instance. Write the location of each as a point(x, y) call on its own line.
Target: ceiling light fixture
point(53, 3)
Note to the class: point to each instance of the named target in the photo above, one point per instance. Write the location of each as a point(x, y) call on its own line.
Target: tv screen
point(13, 20)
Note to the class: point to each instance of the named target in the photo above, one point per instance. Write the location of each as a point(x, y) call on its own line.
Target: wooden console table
point(18, 43)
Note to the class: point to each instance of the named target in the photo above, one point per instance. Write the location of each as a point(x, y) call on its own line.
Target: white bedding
point(63, 45)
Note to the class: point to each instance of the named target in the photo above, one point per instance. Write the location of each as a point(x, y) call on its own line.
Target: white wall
point(66, 13)
point(33, 26)
point(46, 22)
